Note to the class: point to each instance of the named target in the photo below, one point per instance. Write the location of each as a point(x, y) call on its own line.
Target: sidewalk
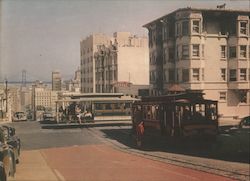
point(33, 167)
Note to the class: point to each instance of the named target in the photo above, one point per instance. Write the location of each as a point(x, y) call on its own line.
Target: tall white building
point(203, 49)
point(123, 63)
point(88, 47)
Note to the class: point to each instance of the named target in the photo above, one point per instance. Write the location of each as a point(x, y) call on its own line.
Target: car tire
point(2, 174)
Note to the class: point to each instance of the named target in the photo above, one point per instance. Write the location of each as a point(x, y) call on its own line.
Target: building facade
point(56, 81)
point(88, 47)
point(203, 49)
point(43, 99)
point(122, 64)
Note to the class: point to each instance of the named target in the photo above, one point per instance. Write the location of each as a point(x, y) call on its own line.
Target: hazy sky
point(43, 35)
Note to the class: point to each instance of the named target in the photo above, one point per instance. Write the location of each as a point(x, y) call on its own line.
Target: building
point(88, 47)
point(3, 111)
point(43, 99)
point(74, 85)
point(56, 81)
point(122, 64)
point(25, 98)
point(203, 49)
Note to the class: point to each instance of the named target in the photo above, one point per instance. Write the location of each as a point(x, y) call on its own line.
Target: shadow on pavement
point(83, 125)
point(197, 148)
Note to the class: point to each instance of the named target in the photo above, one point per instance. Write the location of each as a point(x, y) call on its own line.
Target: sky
point(40, 36)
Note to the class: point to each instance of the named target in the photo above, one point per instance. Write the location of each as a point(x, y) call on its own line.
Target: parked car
point(237, 138)
point(7, 157)
point(2, 172)
point(19, 116)
point(245, 123)
point(13, 140)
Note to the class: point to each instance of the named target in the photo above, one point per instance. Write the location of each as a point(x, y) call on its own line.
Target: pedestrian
point(78, 113)
point(138, 125)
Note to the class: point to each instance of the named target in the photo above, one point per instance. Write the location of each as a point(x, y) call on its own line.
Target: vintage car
point(236, 139)
point(19, 116)
point(7, 157)
point(2, 172)
point(13, 140)
point(48, 116)
point(245, 123)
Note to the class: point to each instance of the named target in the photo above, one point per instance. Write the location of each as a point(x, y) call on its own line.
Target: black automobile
point(237, 138)
point(13, 141)
point(2, 172)
point(7, 158)
point(245, 123)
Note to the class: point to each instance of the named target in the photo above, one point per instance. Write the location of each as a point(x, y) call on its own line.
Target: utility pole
point(6, 92)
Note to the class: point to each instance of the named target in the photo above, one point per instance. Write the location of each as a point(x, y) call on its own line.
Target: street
point(108, 153)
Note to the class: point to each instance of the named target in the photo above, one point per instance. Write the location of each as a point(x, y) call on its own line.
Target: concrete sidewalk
point(33, 167)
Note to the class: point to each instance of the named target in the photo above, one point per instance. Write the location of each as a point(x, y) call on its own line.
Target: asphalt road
point(34, 138)
point(66, 154)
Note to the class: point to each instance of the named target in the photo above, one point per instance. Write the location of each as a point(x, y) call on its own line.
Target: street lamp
point(6, 92)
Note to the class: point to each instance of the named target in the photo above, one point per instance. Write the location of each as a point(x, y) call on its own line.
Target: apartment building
point(88, 47)
point(203, 49)
point(123, 65)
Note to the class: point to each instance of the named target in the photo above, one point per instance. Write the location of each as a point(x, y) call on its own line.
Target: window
point(243, 51)
point(164, 75)
point(185, 52)
point(232, 52)
point(203, 51)
point(196, 74)
point(165, 32)
point(243, 74)
point(223, 74)
point(202, 74)
point(185, 28)
point(107, 75)
point(178, 56)
point(243, 96)
point(243, 28)
point(196, 26)
point(164, 56)
point(177, 75)
point(152, 76)
point(171, 75)
point(223, 96)
point(249, 52)
point(178, 29)
point(249, 74)
point(223, 51)
point(171, 54)
point(196, 50)
point(232, 75)
point(185, 75)
point(115, 74)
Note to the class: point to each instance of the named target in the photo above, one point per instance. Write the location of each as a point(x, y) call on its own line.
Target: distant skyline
point(44, 35)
